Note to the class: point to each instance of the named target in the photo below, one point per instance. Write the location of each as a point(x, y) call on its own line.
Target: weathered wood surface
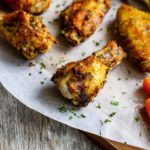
point(25, 129)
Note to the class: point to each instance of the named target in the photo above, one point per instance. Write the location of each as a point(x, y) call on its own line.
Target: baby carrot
point(146, 85)
point(147, 106)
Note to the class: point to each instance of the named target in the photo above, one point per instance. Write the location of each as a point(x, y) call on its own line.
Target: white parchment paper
point(34, 89)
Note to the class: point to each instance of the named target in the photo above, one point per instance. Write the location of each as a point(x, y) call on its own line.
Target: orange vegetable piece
point(146, 85)
point(147, 106)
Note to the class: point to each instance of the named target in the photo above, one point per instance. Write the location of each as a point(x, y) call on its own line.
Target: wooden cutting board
point(109, 144)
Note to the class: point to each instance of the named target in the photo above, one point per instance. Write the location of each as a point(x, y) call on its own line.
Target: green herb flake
point(58, 5)
point(81, 116)
point(112, 114)
point(42, 65)
point(63, 109)
point(70, 118)
point(29, 74)
point(97, 43)
point(83, 54)
point(72, 110)
point(107, 121)
point(42, 82)
point(98, 106)
point(114, 103)
point(31, 64)
point(137, 119)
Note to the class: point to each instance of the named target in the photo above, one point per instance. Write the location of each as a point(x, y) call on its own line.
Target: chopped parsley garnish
point(83, 54)
point(42, 82)
point(58, 5)
point(137, 119)
point(96, 43)
point(107, 121)
point(43, 66)
point(114, 103)
point(31, 64)
point(70, 118)
point(98, 106)
point(112, 114)
point(63, 109)
point(81, 116)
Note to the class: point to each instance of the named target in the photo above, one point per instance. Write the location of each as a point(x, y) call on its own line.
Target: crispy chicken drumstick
point(81, 81)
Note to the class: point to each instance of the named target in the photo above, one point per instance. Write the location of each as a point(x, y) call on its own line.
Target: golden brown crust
point(31, 6)
point(134, 27)
point(82, 18)
point(26, 33)
point(83, 79)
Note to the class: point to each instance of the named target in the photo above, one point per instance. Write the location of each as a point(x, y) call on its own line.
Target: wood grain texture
point(25, 129)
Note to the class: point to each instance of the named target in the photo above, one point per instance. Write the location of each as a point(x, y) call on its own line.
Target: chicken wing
point(81, 81)
point(31, 6)
point(26, 33)
point(133, 26)
point(82, 18)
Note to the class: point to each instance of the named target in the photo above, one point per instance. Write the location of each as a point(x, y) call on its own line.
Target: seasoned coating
point(82, 18)
point(26, 33)
point(31, 6)
point(81, 81)
point(134, 27)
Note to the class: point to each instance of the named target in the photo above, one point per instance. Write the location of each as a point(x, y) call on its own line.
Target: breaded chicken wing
point(133, 26)
point(82, 18)
point(81, 81)
point(26, 33)
point(31, 6)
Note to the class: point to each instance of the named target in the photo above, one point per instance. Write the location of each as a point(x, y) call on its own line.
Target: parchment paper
point(32, 86)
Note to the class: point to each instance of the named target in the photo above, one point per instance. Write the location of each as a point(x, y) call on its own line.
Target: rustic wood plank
point(25, 129)
point(109, 144)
